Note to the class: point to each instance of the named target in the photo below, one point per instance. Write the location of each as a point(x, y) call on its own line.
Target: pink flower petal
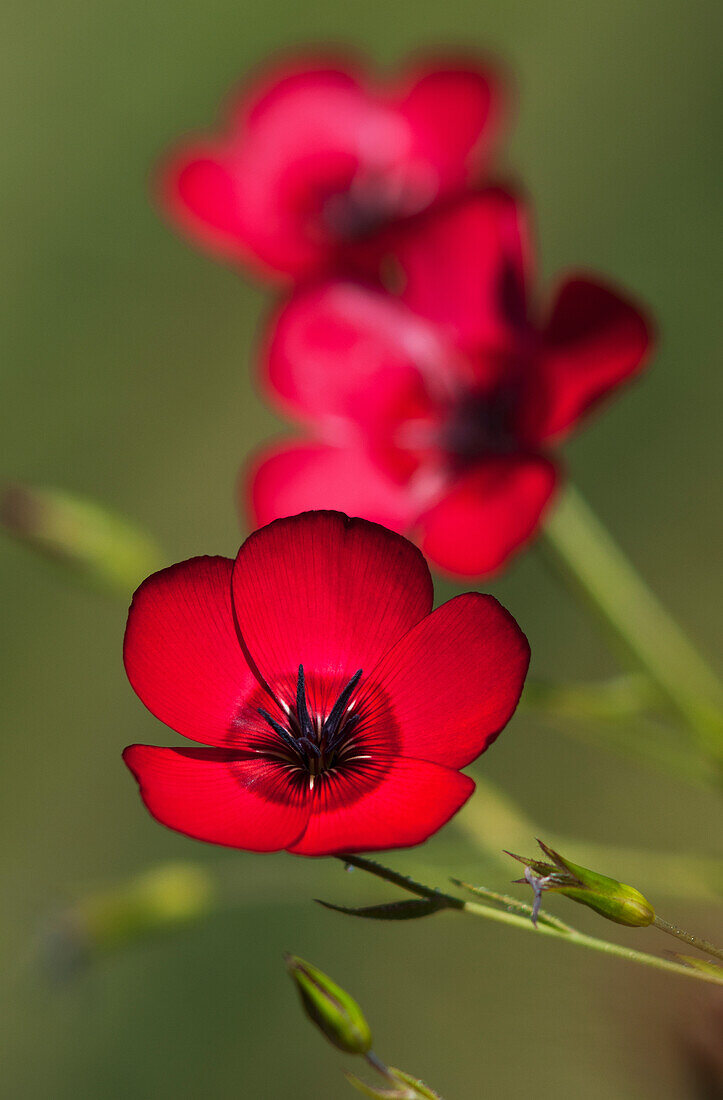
point(286, 480)
point(488, 514)
point(595, 341)
point(198, 190)
point(466, 267)
point(454, 113)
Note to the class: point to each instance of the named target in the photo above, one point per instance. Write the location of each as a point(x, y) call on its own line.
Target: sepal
point(611, 899)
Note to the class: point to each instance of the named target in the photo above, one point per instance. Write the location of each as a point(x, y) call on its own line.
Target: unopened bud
point(330, 1007)
point(98, 545)
point(608, 897)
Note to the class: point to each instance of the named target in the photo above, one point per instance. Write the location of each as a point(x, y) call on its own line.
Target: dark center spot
point(481, 423)
point(359, 211)
point(313, 743)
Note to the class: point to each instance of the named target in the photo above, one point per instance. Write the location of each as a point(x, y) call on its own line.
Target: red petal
point(327, 592)
point(409, 802)
point(182, 653)
point(355, 362)
point(213, 795)
point(298, 78)
point(197, 189)
point(595, 340)
point(453, 682)
point(466, 269)
point(488, 514)
point(284, 481)
point(452, 112)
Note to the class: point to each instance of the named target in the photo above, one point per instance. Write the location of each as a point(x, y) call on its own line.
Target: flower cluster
point(432, 387)
point(431, 383)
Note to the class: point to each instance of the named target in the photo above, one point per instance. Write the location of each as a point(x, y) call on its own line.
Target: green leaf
point(410, 1088)
point(370, 1090)
point(706, 965)
point(393, 910)
point(421, 1090)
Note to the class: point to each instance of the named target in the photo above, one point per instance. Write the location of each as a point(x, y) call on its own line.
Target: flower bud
point(98, 545)
point(608, 897)
point(330, 1007)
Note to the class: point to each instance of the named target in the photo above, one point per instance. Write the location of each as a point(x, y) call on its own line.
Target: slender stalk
point(591, 560)
point(377, 1064)
point(516, 920)
point(705, 946)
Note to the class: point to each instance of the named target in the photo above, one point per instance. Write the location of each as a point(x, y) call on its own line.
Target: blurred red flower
point(338, 705)
point(434, 411)
point(315, 161)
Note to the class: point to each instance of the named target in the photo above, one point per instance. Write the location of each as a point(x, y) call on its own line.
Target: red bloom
point(338, 705)
point(434, 412)
point(315, 162)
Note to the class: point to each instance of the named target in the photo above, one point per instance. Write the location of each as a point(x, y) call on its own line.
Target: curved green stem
point(549, 927)
point(598, 569)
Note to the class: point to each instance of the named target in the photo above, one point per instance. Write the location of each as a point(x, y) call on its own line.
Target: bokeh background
point(126, 376)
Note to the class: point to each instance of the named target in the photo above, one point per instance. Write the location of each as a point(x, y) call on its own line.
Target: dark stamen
point(278, 728)
point(343, 733)
point(307, 744)
point(331, 725)
point(302, 710)
point(318, 745)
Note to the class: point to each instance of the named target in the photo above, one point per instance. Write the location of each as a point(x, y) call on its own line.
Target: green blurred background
point(126, 377)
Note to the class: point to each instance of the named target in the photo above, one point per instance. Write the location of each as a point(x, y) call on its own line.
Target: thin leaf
point(403, 881)
point(393, 910)
point(706, 965)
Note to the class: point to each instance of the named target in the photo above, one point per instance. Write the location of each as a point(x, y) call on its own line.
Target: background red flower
point(338, 705)
point(317, 160)
point(436, 411)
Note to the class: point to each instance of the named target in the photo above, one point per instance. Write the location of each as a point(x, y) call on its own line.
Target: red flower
point(314, 162)
point(338, 705)
point(434, 412)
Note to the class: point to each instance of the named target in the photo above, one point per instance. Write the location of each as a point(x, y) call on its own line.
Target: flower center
point(356, 214)
point(317, 744)
point(482, 423)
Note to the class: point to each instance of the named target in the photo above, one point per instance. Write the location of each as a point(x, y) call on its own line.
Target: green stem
point(601, 572)
point(688, 938)
point(376, 1063)
point(515, 920)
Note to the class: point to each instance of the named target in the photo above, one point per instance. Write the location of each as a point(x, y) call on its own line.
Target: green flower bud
point(611, 899)
point(99, 546)
point(330, 1007)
